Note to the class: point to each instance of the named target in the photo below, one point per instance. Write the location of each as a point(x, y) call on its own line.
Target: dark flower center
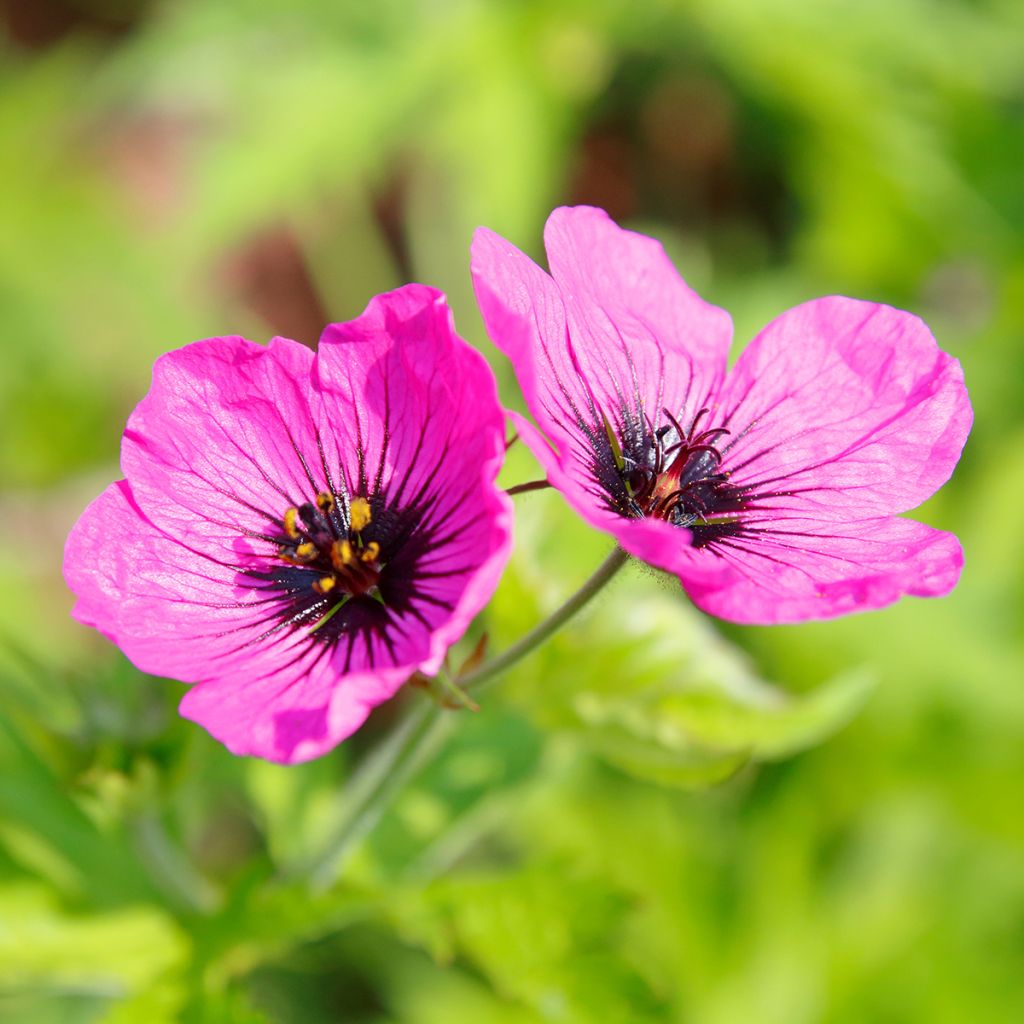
point(674, 474)
point(349, 571)
point(330, 542)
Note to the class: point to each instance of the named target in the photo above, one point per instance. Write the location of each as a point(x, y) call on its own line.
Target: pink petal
point(658, 543)
point(525, 317)
point(178, 613)
point(399, 386)
point(635, 322)
point(290, 716)
point(614, 337)
point(808, 569)
point(566, 477)
point(224, 440)
point(171, 609)
point(844, 409)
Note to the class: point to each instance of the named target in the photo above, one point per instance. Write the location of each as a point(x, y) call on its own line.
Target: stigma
point(676, 475)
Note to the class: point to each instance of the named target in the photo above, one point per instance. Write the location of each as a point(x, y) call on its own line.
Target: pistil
point(683, 484)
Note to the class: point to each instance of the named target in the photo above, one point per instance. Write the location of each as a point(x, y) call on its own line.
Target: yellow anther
point(370, 552)
point(342, 554)
point(324, 585)
point(325, 501)
point(291, 523)
point(306, 551)
point(359, 514)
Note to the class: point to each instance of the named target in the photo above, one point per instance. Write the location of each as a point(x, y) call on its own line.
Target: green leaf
point(549, 940)
point(772, 727)
point(114, 953)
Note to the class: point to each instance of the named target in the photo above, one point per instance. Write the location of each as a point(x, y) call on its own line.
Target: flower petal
point(413, 411)
point(626, 298)
point(813, 570)
point(291, 716)
point(603, 346)
point(844, 409)
point(176, 612)
point(223, 442)
point(169, 608)
point(656, 542)
point(525, 318)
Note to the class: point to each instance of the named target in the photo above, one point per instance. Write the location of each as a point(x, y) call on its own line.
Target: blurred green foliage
point(648, 821)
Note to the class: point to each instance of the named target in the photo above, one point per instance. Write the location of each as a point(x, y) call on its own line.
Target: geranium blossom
point(772, 491)
point(298, 534)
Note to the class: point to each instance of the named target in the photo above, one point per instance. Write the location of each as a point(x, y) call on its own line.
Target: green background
point(659, 818)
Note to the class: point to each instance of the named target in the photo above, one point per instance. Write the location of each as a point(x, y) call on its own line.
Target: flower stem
point(388, 769)
point(488, 673)
point(377, 783)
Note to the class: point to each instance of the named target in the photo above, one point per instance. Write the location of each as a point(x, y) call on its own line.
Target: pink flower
point(772, 491)
point(298, 534)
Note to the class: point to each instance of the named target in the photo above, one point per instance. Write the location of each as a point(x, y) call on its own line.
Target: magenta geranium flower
point(773, 491)
point(298, 534)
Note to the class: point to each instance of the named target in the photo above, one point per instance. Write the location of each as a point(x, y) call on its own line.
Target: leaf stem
point(387, 770)
point(533, 485)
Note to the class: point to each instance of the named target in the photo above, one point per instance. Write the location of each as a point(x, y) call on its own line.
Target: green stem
point(486, 674)
point(169, 867)
point(373, 787)
point(388, 769)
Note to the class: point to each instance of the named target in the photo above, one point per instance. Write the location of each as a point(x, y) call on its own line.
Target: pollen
point(325, 502)
point(291, 523)
point(342, 554)
point(359, 514)
point(306, 552)
point(325, 584)
point(371, 552)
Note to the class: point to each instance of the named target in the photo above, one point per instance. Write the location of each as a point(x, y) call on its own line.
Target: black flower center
point(331, 544)
point(671, 473)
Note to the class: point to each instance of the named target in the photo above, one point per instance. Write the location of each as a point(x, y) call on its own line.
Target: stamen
point(677, 426)
point(306, 551)
point(342, 554)
point(613, 443)
point(301, 555)
point(325, 584)
point(339, 562)
point(675, 474)
point(359, 514)
point(696, 419)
